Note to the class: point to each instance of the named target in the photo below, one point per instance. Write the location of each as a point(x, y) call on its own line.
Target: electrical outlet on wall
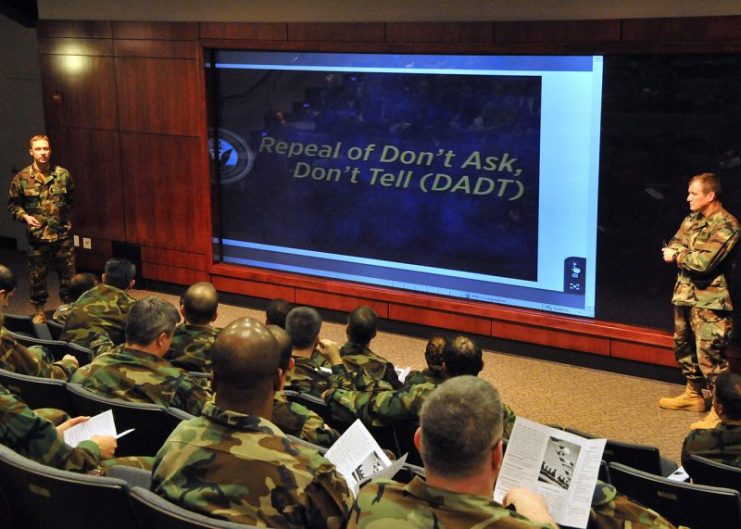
point(87, 243)
point(76, 241)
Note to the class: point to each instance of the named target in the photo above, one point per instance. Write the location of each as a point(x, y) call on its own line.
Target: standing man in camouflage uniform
point(703, 251)
point(41, 196)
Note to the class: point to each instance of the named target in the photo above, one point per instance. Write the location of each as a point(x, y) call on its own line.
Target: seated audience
point(36, 438)
point(26, 360)
point(194, 339)
point(723, 442)
point(294, 418)
point(136, 371)
point(233, 462)
point(98, 318)
point(435, 372)
point(276, 312)
point(78, 285)
point(368, 367)
point(460, 440)
point(303, 325)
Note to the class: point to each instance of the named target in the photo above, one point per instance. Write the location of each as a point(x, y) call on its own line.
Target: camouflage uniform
point(242, 468)
point(136, 376)
point(191, 347)
point(306, 377)
point(30, 360)
point(36, 438)
point(426, 375)
point(369, 368)
point(294, 419)
point(98, 318)
point(48, 199)
point(702, 301)
point(722, 443)
point(417, 505)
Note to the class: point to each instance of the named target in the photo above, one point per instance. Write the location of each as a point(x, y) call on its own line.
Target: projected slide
point(466, 176)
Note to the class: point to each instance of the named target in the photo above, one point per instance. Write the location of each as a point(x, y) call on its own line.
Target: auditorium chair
point(709, 472)
point(37, 392)
point(24, 325)
point(55, 329)
point(57, 348)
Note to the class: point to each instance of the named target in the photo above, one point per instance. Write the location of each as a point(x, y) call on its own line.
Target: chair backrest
point(83, 354)
point(152, 510)
point(404, 432)
point(37, 392)
point(20, 325)
point(55, 329)
point(151, 422)
point(709, 472)
point(43, 497)
point(319, 407)
point(696, 506)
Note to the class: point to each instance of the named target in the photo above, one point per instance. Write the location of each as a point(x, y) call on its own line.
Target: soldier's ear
point(418, 439)
point(280, 379)
point(497, 454)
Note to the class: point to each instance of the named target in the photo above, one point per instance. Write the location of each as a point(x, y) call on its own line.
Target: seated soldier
point(367, 367)
point(277, 311)
point(303, 325)
point(78, 285)
point(36, 438)
point(435, 372)
point(233, 462)
point(98, 318)
point(722, 443)
point(461, 356)
point(193, 340)
point(26, 360)
point(460, 440)
point(136, 371)
point(294, 418)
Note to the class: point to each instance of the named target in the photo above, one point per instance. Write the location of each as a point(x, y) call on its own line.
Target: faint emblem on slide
point(234, 155)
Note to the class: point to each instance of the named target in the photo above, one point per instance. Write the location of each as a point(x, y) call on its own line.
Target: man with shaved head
point(233, 462)
point(193, 340)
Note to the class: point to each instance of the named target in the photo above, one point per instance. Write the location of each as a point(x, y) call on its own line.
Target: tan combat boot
point(711, 420)
point(691, 400)
point(39, 314)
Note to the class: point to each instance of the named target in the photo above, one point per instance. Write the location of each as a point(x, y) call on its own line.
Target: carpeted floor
point(602, 403)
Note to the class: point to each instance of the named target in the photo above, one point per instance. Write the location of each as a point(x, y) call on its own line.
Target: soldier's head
point(434, 353)
point(303, 325)
point(81, 283)
point(119, 273)
point(460, 433)
point(8, 282)
point(199, 303)
point(39, 148)
point(362, 325)
point(727, 401)
point(276, 312)
point(462, 356)
point(150, 324)
point(246, 367)
point(285, 347)
point(703, 193)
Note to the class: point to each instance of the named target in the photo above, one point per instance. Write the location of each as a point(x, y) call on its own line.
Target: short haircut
point(285, 347)
point(8, 282)
point(276, 312)
point(728, 394)
point(434, 352)
point(81, 283)
point(200, 302)
point(148, 318)
point(362, 324)
point(119, 273)
point(461, 421)
point(462, 356)
point(38, 137)
point(709, 182)
point(246, 358)
point(303, 325)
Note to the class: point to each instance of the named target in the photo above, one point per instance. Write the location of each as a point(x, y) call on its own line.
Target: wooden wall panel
point(94, 29)
point(155, 30)
point(683, 29)
point(253, 288)
point(79, 91)
point(175, 258)
point(160, 95)
point(548, 32)
point(65, 46)
point(551, 337)
point(328, 32)
point(162, 49)
point(243, 30)
point(643, 353)
point(172, 274)
point(433, 318)
point(167, 205)
point(337, 302)
point(479, 32)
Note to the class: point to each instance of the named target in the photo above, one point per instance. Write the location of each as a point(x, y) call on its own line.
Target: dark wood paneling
point(93, 159)
point(336, 302)
point(272, 45)
point(94, 29)
point(79, 91)
point(683, 29)
point(551, 337)
point(480, 32)
point(443, 320)
point(171, 274)
point(167, 204)
point(163, 49)
point(590, 31)
point(156, 30)
point(346, 32)
point(66, 46)
point(252, 288)
point(243, 30)
point(91, 260)
point(643, 353)
point(160, 95)
point(194, 261)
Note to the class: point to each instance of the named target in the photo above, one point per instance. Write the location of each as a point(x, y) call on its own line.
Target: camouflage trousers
point(700, 338)
point(59, 254)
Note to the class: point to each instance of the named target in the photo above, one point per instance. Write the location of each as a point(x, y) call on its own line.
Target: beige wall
point(378, 10)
